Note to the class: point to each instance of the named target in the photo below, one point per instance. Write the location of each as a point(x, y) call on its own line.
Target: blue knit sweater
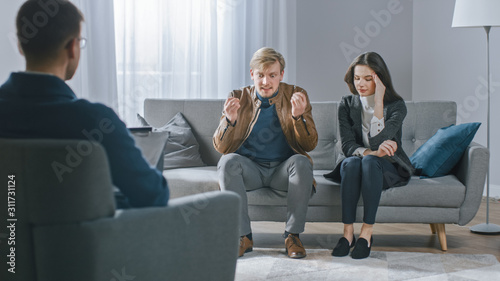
point(266, 142)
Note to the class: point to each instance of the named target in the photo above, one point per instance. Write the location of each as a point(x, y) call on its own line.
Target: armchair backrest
point(48, 182)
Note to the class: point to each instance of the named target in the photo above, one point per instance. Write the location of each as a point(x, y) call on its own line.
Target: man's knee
point(230, 164)
point(301, 162)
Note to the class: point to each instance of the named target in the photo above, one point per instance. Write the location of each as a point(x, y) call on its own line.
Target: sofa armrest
point(471, 171)
point(193, 238)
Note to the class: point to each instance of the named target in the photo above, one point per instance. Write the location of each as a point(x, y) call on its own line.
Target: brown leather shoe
point(246, 245)
point(294, 247)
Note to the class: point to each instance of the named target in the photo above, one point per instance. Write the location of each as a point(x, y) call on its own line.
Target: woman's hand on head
point(379, 89)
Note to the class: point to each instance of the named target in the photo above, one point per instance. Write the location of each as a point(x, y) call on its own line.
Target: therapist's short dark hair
point(44, 27)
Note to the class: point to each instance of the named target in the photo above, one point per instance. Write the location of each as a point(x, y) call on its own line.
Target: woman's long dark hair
point(377, 64)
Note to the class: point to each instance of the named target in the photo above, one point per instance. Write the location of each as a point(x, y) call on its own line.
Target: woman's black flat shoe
point(361, 250)
point(342, 249)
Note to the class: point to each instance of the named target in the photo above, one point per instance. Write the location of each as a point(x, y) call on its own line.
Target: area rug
point(273, 264)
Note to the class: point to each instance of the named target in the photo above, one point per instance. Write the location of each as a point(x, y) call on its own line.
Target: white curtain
point(195, 48)
point(244, 26)
point(95, 78)
point(165, 49)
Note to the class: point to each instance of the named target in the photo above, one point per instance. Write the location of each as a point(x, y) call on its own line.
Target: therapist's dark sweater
point(44, 106)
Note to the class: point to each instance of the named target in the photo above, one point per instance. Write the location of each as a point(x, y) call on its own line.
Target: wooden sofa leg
point(441, 232)
point(433, 228)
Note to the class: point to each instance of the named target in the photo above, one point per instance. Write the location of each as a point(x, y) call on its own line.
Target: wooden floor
point(393, 237)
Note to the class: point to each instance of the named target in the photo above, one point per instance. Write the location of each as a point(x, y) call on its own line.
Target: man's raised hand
point(299, 103)
point(231, 107)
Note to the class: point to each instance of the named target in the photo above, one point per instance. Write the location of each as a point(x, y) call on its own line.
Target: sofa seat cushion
point(192, 180)
point(443, 192)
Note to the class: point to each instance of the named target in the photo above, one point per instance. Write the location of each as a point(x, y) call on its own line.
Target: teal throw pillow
point(438, 155)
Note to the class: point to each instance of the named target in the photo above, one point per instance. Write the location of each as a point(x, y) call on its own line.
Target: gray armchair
point(67, 228)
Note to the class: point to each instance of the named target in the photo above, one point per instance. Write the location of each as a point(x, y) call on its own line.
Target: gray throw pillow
point(181, 148)
point(142, 121)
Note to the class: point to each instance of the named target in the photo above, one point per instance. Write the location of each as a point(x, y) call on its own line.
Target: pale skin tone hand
point(388, 148)
point(299, 103)
point(231, 107)
point(379, 97)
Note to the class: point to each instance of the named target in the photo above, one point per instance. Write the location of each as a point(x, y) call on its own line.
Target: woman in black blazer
point(371, 121)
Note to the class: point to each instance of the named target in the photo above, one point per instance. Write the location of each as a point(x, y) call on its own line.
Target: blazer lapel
point(356, 109)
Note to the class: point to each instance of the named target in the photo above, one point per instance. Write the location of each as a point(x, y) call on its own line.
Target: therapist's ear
point(72, 45)
point(19, 48)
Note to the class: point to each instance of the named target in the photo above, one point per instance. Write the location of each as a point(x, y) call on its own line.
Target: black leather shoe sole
point(361, 249)
point(342, 249)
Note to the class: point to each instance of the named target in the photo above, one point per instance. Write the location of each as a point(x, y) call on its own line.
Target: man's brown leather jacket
point(300, 134)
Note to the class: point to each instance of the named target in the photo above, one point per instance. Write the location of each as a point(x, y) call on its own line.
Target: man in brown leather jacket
point(265, 133)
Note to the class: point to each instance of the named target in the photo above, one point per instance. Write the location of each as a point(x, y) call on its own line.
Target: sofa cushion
point(181, 148)
point(325, 154)
point(437, 156)
point(202, 115)
point(193, 180)
point(418, 193)
point(442, 192)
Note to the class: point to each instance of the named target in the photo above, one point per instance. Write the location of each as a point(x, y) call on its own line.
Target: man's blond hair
point(264, 57)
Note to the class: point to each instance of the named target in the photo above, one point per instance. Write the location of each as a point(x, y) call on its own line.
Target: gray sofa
point(68, 228)
point(452, 199)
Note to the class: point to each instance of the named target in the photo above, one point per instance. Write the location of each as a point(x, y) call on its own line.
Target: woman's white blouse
point(372, 126)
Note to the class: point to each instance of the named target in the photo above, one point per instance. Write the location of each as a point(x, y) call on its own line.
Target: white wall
point(326, 27)
point(450, 64)
point(10, 59)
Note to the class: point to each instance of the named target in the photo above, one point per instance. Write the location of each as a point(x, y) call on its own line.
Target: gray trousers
point(295, 176)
